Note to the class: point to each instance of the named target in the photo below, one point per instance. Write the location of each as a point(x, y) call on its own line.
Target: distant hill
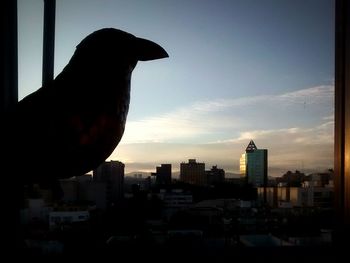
point(175, 174)
point(138, 173)
point(232, 175)
point(227, 175)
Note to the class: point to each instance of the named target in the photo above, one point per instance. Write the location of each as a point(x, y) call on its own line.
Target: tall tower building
point(193, 172)
point(112, 174)
point(253, 165)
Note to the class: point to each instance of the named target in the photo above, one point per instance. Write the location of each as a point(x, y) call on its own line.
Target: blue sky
point(238, 70)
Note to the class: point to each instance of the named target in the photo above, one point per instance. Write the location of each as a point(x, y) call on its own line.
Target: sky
point(237, 70)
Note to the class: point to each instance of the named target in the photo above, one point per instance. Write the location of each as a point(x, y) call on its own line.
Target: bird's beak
point(148, 50)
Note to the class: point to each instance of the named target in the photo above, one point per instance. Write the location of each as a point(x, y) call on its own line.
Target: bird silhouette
point(71, 125)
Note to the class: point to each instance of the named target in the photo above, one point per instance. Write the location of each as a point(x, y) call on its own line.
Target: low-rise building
point(297, 196)
point(59, 219)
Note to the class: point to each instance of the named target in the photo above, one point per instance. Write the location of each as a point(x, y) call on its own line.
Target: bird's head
point(110, 49)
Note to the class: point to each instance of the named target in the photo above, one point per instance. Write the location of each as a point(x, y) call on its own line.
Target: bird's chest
point(101, 123)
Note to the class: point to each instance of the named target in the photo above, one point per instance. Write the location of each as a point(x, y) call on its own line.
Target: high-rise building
point(163, 174)
point(112, 174)
point(193, 172)
point(243, 165)
point(253, 165)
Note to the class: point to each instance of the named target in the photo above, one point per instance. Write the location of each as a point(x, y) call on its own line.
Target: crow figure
point(70, 126)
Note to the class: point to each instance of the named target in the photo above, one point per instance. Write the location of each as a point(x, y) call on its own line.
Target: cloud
point(216, 132)
point(321, 134)
point(313, 95)
point(205, 121)
point(305, 149)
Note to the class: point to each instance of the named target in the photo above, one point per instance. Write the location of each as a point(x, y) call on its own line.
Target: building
point(70, 189)
point(95, 192)
point(288, 197)
point(193, 172)
point(253, 165)
point(292, 179)
point(242, 165)
point(82, 189)
point(176, 198)
point(59, 219)
point(112, 174)
point(35, 211)
point(215, 175)
point(163, 174)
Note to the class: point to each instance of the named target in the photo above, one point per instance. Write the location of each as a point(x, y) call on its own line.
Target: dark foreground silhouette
point(71, 125)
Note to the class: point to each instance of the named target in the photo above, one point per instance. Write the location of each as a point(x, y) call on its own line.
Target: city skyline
point(237, 71)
